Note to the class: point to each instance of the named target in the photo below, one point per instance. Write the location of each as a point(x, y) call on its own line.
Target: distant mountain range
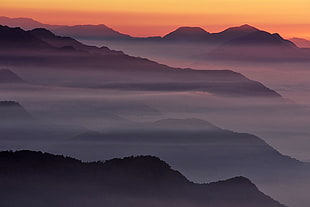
point(77, 31)
point(243, 35)
point(132, 181)
point(193, 34)
point(236, 43)
point(105, 68)
point(198, 143)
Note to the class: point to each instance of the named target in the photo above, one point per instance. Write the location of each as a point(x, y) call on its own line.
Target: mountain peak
point(191, 30)
point(42, 32)
point(240, 30)
point(188, 33)
point(247, 27)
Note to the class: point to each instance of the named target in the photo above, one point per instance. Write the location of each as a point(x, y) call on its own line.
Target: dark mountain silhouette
point(262, 38)
point(188, 34)
point(201, 39)
point(196, 143)
point(7, 76)
point(243, 35)
point(234, 32)
point(244, 42)
point(257, 45)
point(40, 48)
point(300, 42)
point(191, 34)
point(132, 181)
point(16, 38)
point(67, 42)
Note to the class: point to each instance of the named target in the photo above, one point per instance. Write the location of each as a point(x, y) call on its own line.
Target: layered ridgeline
point(132, 181)
point(235, 43)
point(72, 63)
point(199, 148)
point(89, 32)
point(17, 124)
point(195, 146)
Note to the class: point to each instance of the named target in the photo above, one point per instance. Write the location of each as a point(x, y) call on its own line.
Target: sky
point(157, 17)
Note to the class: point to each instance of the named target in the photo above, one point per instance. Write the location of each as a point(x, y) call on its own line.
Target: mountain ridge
point(40, 47)
point(154, 180)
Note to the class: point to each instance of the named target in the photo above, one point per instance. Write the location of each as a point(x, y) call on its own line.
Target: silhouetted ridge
point(30, 161)
point(42, 33)
point(243, 28)
point(18, 38)
point(262, 38)
point(149, 168)
point(138, 181)
point(188, 33)
point(237, 180)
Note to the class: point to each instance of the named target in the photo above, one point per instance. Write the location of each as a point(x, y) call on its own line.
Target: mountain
point(102, 32)
point(95, 32)
point(105, 68)
point(188, 34)
point(204, 43)
point(192, 144)
point(242, 35)
point(67, 43)
point(258, 46)
point(132, 181)
point(25, 23)
point(16, 38)
point(234, 32)
point(91, 32)
point(7, 76)
point(261, 38)
point(236, 43)
point(302, 43)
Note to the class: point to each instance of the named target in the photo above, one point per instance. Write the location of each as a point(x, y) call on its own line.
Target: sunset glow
point(145, 18)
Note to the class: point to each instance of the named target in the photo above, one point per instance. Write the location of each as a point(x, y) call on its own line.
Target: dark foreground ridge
point(132, 181)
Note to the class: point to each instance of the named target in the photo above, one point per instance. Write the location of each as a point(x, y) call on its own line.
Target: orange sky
point(157, 17)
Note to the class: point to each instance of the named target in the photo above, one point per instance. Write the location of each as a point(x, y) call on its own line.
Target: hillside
point(132, 181)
